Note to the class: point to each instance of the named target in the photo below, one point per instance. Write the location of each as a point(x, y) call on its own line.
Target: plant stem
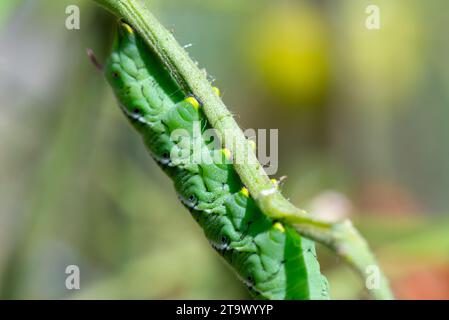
point(341, 237)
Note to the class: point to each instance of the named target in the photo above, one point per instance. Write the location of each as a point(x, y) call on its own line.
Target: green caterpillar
point(272, 260)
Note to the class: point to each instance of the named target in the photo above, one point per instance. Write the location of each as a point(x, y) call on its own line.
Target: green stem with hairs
point(341, 237)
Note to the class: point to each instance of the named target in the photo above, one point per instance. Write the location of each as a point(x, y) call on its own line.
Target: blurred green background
point(362, 118)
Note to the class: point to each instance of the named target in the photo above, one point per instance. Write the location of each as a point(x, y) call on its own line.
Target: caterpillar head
point(139, 79)
point(122, 73)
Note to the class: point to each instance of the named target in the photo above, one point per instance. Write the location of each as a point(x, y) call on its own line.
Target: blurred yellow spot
point(245, 192)
point(127, 28)
point(217, 91)
point(252, 145)
point(279, 227)
point(193, 102)
point(274, 181)
point(290, 54)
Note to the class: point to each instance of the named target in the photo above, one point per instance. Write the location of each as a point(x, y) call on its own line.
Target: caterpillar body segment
point(144, 89)
point(272, 260)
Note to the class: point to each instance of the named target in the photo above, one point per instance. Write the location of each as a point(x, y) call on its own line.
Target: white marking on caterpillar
point(267, 192)
point(219, 245)
point(134, 116)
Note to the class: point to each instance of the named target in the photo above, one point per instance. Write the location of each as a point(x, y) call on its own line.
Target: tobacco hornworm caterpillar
point(272, 260)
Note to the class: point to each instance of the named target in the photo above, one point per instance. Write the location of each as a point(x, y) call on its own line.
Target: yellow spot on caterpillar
point(227, 153)
point(274, 181)
point(217, 91)
point(252, 145)
point(193, 102)
point(128, 28)
point(279, 227)
point(245, 192)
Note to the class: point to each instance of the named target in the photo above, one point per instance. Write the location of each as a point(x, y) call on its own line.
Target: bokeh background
point(363, 134)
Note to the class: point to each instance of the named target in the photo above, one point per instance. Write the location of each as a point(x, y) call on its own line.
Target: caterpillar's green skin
point(274, 263)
